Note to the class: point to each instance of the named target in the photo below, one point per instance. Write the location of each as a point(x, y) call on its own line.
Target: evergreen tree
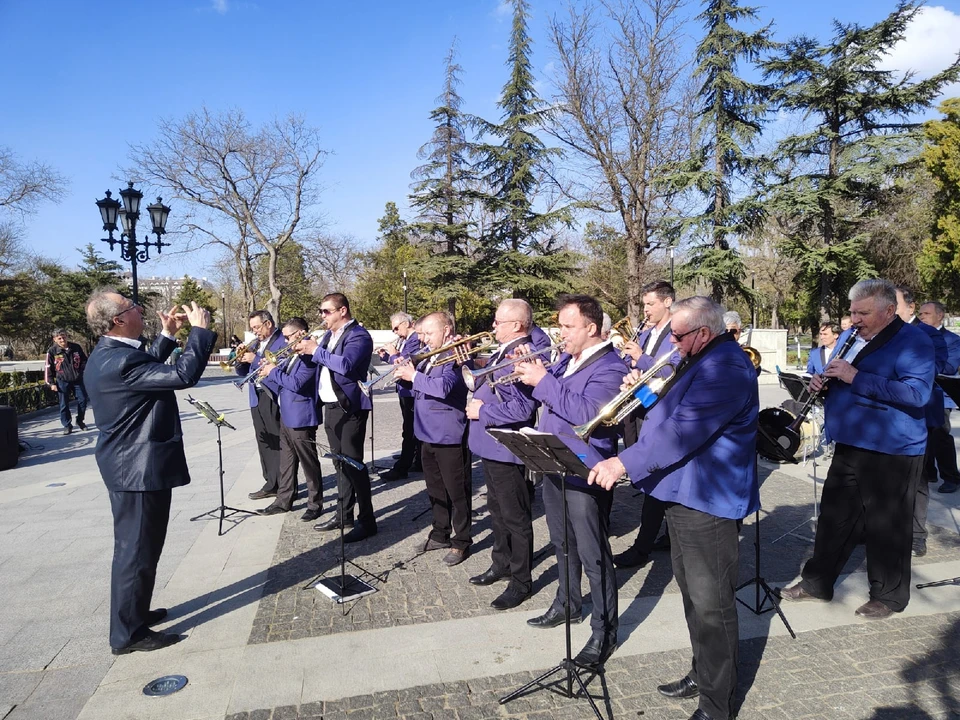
point(192, 291)
point(833, 177)
point(443, 193)
point(731, 115)
point(939, 261)
point(520, 253)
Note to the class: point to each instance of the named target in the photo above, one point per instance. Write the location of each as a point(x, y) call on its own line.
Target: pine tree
point(731, 115)
point(443, 193)
point(191, 291)
point(833, 177)
point(520, 253)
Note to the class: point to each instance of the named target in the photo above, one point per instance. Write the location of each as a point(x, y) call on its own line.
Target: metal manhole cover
point(166, 685)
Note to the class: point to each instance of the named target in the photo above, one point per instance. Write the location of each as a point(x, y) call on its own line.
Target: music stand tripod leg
point(221, 512)
point(761, 584)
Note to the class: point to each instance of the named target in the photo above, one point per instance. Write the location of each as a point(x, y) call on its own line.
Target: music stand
point(206, 410)
point(371, 374)
point(542, 452)
point(344, 588)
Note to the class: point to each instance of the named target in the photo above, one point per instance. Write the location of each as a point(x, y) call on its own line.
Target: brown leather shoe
point(796, 593)
point(874, 610)
point(455, 556)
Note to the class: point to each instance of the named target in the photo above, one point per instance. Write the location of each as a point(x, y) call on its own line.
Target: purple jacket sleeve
point(438, 386)
point(518, 405)
point(294, 381)
point(577, 408)
point(357, 348)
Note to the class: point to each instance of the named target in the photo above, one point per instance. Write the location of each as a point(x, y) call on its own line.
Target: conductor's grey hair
point(102, 307)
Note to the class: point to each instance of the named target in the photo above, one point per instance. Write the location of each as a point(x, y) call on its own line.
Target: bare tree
point(23, 185)
point(249, 189)
point(625, 108)
point(332, 261)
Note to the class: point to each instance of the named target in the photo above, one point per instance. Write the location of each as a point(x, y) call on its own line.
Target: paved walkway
point(263, 645)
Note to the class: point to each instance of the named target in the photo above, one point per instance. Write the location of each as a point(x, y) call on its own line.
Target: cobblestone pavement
point(898, 668)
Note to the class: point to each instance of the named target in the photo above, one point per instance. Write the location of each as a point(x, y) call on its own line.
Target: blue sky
point(82, 80)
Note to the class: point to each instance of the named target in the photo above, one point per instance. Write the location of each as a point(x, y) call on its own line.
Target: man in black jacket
point(140, 449)
point(64, 372)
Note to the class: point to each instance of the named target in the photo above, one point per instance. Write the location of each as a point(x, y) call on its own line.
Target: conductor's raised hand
point(606, 473)
point(197, 316)
point(171, 321)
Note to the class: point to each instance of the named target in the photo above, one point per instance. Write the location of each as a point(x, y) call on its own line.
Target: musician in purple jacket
point(650, 346)
point(408, 344)
point(440, 398)
point(295, 383)
point(697, 453)
point(509, 406)
point(572, 391)
point(263, 402)
point(343, 355)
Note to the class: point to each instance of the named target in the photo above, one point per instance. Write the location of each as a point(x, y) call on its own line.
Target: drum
point(776, 439)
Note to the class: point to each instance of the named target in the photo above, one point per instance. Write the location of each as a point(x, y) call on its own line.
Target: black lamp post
point(132, 250)
point(405, 288)
point(753, 300)
point(671, 249)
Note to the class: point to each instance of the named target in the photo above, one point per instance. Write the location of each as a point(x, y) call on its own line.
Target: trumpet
point(271, 358)
point(460, 350)
point(470, 377)
point(367, 387)
point(242, 349)
point(644, 392)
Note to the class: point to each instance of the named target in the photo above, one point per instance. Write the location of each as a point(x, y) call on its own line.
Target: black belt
point(331, 404)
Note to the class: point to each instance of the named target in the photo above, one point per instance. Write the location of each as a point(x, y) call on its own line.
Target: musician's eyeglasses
point(501, 322)
point(396, 328)
point(326, 311)
point(135, 306)
point(680, 336)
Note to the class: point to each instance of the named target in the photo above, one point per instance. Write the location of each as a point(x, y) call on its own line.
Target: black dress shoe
point(489, 577)
point(272, 510)
point(682, 689)
point(152, 641)
point(509, 598)
point(81, 425)
point(553, 618)
point(630, 558)
point(874, 610)
point(389, 475)
point(455, 556)
point(155, 616)
point(416, 468)
point(797, 593)
point(310, 516)
point(662, 542)
point(261, 495)
point(360, 532)
point(596, 652)
point(699, 714)
point(333, 524)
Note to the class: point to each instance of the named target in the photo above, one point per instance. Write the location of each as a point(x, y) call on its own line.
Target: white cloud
point(930, 44)
point(504, 10)
point(220, 6)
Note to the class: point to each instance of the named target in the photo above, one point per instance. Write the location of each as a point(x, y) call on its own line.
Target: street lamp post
point(753, 300)
point(671, 263)
point(405, 291)
point(132, 250)
point(223, 309)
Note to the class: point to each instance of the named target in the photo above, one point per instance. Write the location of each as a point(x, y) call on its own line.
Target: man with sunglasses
point(140, 448)
point(697, 454)
point(409, 460)
point(343, 355)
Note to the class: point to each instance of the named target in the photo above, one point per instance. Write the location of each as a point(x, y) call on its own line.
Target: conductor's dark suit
point(141, 458)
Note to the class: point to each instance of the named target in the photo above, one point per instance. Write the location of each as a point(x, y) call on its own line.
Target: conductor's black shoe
point(662, 543)
point(397, 456)
point(553, 618)
point(81, 425)
point(489, 577)
point(682, 689)
point(630, 558)
point(152, 641)
point(261, 495)
point(596, 652)
point(509, 598)
point(155, 616)
point(948, 487)
point(360, 532)
point(334, 524)
point(389, 475)
point(310, 516)
point(432, 544)
point(272, 510)
point(68, 429)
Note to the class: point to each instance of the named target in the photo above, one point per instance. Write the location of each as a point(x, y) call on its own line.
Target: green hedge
point(27, 395)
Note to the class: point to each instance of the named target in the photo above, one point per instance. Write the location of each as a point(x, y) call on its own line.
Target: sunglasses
point(681, 336)
point(325, 311)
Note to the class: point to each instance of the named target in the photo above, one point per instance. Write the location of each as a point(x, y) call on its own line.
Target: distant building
point(166, 287)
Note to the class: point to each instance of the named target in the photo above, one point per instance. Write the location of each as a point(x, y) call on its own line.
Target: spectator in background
point(63, 372)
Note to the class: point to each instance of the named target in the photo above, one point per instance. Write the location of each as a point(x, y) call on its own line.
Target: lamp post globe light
point(132, 250)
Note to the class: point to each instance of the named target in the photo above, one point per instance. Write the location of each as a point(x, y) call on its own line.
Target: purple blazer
point(440, 401)
point(698, 444)
point(273, 344)
point(663, 347)
point(410, 347)
point(539, 339)
point(510, 406)
point(296, 385)
point(348, 363)
point(574, 400)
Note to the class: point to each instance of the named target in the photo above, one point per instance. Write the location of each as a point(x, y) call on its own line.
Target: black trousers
point(410, 449)
point(941, 454)
point(511, 515)
point(450, 492)
point(346, 433)
point(706, 555)
point(298, 448)
point(139, 531)
point(866, 495)
point(652, 512)
point(588, 525)
point(266, 425)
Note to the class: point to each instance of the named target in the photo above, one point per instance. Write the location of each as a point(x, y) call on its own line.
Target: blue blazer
point(933, 410)
point(883, 409)
point(506, 406)
point(440, 403)
point(953, 359)
point(410, 347)
point(348, 362)
point(295, 383)
point(663, 347)
point(698, 443)
point(273, 344)
point(574, 400)
point(140, 441)
point(815, 362)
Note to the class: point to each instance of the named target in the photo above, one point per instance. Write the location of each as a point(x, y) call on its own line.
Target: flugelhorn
point(242, 349)
point(643, 392)
point(470, 377)
point(460, 350)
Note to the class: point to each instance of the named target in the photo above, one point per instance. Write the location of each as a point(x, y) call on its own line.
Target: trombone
point(644, 392)
point(470, 377)
point(460, 350)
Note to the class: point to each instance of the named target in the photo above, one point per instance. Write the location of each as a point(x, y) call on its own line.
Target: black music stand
point(207, 411)
point(542, 452)
point(371, 374)
point(344, 588)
